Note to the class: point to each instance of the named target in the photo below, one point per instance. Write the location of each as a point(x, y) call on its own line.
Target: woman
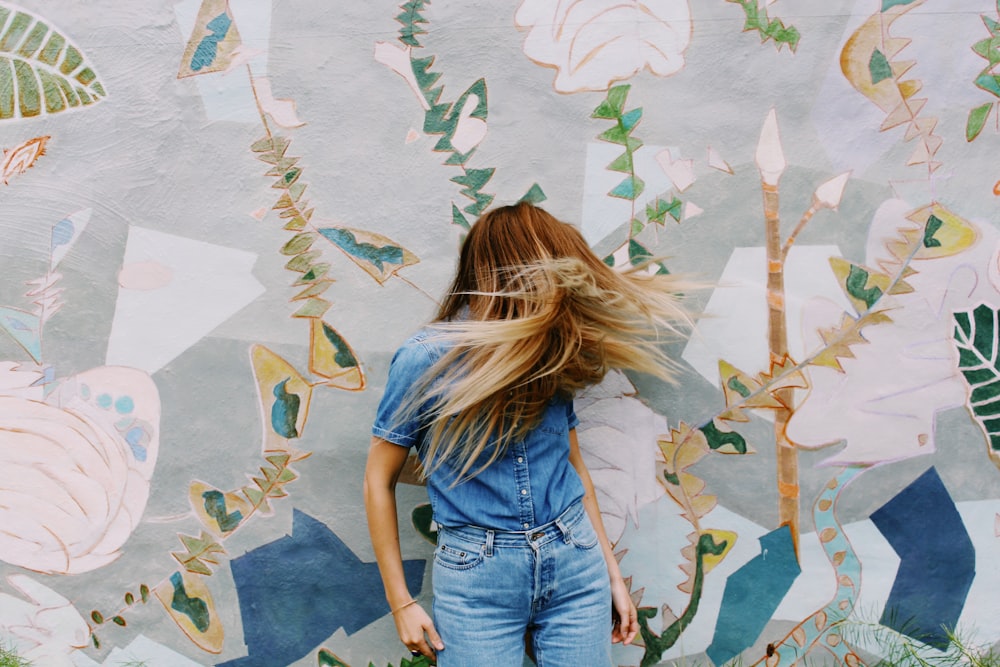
point(485, 394)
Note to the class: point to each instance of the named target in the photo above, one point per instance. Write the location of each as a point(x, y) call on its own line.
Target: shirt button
point(527, 525)
point(524, 492)
point(520, 459)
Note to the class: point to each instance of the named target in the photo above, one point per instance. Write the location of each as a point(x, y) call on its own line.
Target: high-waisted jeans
point(490, 587)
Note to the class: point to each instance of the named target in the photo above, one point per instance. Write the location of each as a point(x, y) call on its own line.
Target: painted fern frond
point(412, 22)
point(768, 28)
point(988, 80)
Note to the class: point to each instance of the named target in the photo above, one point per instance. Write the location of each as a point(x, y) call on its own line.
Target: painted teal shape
point(886, 4)
point(377, 255)
point(194, 608)
point(285, 411)
point(937, 561)
point(878, 67)
point(752, 595)
point(215, 507)
point(298, 590)
point(208, 48)
point(343, 356)
point(24, 328)
point(124, 405)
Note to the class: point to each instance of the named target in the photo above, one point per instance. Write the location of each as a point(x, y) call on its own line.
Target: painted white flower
point(77, 467)
point(593, 43)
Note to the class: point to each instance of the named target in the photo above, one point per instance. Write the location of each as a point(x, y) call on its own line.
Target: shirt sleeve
point(408, 365)
point(571, 419)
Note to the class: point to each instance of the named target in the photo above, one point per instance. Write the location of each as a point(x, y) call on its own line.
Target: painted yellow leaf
point(719, 536)
point(284, 396)
point(944, 233)
point(331, 357)
point(219, 512)
point(187, 601)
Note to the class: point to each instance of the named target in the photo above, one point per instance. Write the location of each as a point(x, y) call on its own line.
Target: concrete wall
point(219, 219)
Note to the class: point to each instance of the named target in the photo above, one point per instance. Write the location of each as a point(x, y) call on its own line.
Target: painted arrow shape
point(937, 560)
point(298, 590)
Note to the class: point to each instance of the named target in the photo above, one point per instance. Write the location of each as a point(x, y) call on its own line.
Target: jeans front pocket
point(582, 533)
point(457, 555)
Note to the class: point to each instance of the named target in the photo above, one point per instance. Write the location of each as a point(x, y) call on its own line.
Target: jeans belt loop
point(562, 529)
point(489, 543)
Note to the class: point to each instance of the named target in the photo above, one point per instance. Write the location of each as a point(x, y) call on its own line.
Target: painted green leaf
point(327, 659)
point(629, 189)
point(975, 336)
point(977, 119)
point(886, 4)
point(729, 442)
point(856, 286)
point(989, 82)
point(534, 195)
point(458, 218)
point(878, 67)
point(411, 21)
point(422, 519)
point(41, 71)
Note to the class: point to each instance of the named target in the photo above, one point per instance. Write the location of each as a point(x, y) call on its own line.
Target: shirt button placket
point(525, 506)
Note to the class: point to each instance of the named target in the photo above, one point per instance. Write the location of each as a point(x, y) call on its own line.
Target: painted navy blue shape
point(752, 595)
point(298, 590)
point(937, 561)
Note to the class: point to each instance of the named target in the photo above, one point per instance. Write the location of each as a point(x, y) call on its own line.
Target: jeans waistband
point(558, 528)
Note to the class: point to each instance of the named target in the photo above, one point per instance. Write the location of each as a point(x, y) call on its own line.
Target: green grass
point(10, 658)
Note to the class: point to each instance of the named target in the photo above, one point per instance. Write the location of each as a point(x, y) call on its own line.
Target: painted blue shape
point(370, 252)
point(298, 590)
point(284, 411)
point(136, 437)
point(204, 55)
point(62, 233)
point(752, 595)
point(937, 561)
point(105, 401)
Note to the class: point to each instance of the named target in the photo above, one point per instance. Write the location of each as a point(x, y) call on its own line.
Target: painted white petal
point(770, 158)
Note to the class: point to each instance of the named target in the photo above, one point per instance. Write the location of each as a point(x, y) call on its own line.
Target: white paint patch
point(141, 649)
point(739, 305)
point(210, 284)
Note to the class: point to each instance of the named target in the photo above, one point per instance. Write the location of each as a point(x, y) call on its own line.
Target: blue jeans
point(490, 587)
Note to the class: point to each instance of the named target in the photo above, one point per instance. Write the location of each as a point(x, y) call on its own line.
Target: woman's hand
point(416, 630)
point(626, 620)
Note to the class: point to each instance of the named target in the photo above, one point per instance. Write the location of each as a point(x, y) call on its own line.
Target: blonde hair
point(533, 314)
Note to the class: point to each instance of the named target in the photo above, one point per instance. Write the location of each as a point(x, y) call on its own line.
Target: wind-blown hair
point(533, 314)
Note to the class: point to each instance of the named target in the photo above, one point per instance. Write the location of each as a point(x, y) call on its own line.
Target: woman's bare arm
point(627, 621)
point(385, 462)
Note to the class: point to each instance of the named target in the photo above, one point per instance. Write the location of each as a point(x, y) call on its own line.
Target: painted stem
point(777, 338)
point(806, 217)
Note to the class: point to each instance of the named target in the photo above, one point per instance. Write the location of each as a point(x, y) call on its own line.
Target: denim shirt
point(530, 485)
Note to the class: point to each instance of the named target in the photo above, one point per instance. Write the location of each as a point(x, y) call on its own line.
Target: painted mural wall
point(219, 218)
